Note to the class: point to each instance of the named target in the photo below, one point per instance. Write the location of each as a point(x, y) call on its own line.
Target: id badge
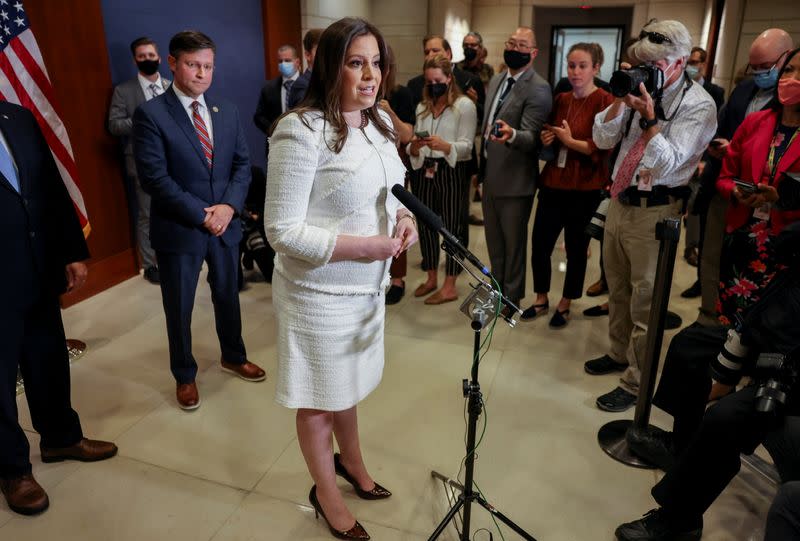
point(430, 170)
point(644, 180)
point(562, 158)
point(762, 212)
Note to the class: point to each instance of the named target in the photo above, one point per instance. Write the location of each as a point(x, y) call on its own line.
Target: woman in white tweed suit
point(335, 225)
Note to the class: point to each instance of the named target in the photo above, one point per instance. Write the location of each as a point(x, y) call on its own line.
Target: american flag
point(24, 80)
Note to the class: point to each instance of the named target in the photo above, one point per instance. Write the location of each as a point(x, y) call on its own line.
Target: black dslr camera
point(624, 82)
point(776, 376)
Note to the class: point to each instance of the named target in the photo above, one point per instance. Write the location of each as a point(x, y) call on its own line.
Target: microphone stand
point(481, 306)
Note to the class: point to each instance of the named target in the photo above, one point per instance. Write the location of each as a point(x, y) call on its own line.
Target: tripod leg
point(504, 519)
point(450, 514)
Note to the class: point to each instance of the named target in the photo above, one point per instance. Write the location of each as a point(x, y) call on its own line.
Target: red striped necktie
point(202, 133)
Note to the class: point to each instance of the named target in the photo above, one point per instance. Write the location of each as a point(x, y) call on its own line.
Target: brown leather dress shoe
point(423, 289)
point(596, 289)
point(83, 451)
point(188, 397)
point(247, 371)
point(24, 495)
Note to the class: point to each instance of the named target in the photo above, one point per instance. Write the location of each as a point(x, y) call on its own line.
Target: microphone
point(433, 221)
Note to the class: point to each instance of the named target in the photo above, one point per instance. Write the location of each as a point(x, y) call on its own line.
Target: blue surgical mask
point(287, 68)
point(692, 72)
point(766, 79)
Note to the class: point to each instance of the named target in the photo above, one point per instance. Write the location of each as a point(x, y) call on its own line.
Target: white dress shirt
point(496, 99)
point(284, 92)
point(145, 83)
point(187, 101)
point(673, 154)
point(456, 125)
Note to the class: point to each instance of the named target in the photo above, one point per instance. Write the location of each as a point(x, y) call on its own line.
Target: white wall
point(321, 13)
point(451, 18)
point(403, 24)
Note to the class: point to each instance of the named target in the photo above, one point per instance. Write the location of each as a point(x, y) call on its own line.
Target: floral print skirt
point(746, 268)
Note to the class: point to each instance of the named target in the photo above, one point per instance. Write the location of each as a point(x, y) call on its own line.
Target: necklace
point(364, 120)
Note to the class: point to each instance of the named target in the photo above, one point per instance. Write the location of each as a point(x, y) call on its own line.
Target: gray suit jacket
point(512, 169)
point(127, 97)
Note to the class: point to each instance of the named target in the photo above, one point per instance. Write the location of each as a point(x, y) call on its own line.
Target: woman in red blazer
point(764, 153)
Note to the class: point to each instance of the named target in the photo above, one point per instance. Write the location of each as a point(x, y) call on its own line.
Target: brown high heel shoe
point(356, 532)
point(377, 493)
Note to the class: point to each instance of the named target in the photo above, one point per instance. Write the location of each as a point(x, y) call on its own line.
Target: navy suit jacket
point(41, 231)
point(299, 89)
point(173, 170)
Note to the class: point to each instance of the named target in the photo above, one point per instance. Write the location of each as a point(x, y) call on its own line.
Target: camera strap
point(660, 109)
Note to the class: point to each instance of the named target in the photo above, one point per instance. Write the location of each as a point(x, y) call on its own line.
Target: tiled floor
point(233, 471)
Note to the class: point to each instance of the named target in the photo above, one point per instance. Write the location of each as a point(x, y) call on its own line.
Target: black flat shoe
point(377, 493)
point(559, 319)
point(693, 292)
point(356, 532)
point(395, 293)
point(596, 311)
point(535, 311)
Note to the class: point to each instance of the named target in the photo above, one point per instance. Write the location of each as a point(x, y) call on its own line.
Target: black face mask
point(470, 54)
point(515, 59)
point(148, 67)
point(437, 90)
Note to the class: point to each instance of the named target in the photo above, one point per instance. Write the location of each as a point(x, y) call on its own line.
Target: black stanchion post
point(612, 436)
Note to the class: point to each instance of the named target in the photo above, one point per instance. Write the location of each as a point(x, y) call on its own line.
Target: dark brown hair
point(453, 92)
point(190, 41)
point(445, 43)
point(311, 39)
point(594, 50)
point(138, 42)
point(703, 53)
point(325, 87)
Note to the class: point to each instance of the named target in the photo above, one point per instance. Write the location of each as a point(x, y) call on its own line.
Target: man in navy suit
point(192, 159)
point(44, 241)
point(300, 86)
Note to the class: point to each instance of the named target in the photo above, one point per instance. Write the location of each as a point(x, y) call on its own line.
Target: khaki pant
point(630, 256)
point(709, 265)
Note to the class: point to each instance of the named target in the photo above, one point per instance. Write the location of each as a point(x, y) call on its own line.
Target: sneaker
point(616, 401)
point(653, 445)
point(656, 525)
point(603, 365)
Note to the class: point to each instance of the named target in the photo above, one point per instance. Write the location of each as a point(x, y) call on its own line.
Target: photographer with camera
point(765, 345)
point(664, 122)
point(763, 159)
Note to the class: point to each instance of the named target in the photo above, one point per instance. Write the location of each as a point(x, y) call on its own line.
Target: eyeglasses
point(654, 37)
point(750, 68)
point(521, 47)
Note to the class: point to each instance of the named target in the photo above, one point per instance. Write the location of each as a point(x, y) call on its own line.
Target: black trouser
point(32, 338)
point(570, 211)
point(729, 428)
point(446, 194)
point(685, 381)
point(783, 520)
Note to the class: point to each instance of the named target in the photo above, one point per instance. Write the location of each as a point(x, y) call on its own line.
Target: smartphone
point(496, 130)
point(422, 134)
point(747, 188)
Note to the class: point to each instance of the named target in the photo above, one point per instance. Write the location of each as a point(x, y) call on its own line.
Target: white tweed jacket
point(315, 194)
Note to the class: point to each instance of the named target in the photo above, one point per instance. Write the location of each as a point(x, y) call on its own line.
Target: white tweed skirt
point(330, 347)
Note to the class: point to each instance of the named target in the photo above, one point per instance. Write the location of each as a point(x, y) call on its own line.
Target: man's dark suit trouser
point(32, 338)
point(179, 274)
point(730, 427)
point(783, 520)
point(506, 227)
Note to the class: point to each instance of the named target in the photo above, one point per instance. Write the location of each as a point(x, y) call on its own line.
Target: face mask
point(789, 91)
point(148, 67)
point(437, 90)
point(470, 54)
point(515, 59)
point(286, 68)
point(692, 72)
point(766, 79)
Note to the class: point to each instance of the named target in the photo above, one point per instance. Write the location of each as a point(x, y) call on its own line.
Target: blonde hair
point(453, 92)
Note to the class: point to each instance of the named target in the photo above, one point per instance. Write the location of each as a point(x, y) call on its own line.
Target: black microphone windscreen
point(423, 213)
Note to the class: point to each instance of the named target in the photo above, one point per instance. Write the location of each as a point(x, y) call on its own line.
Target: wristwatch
point(647, 124)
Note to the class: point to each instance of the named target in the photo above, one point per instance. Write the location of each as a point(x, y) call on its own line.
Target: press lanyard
point(774, 156)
